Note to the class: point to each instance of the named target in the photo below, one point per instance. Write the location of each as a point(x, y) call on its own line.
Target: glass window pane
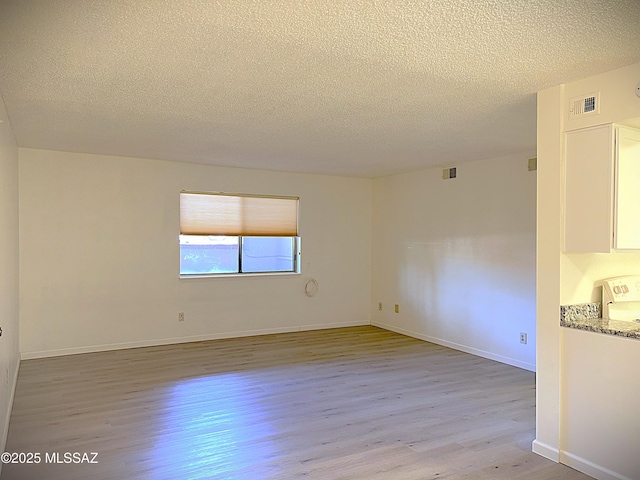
point(268, 254)
point(201, 254)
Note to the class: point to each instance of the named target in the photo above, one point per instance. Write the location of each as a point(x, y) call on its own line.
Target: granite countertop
point(588, 316)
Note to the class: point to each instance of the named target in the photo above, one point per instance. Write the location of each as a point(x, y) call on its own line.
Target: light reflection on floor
point(212, 423)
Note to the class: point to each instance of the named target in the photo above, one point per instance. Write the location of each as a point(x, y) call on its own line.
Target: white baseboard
point(590, 468)
point(546, 451)
point(456, 346)
point(576, 462)
point(193, 338)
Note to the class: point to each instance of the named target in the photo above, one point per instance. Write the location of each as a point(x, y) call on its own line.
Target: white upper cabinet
point(627, 189)
point(602, 189)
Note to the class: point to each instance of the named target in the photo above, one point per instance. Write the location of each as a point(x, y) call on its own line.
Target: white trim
point(194, 338)
point(590, 468)
point(546, 451)
point(193, 276)
point(457, 346)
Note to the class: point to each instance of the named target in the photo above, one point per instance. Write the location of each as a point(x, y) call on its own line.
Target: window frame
point(296, 241)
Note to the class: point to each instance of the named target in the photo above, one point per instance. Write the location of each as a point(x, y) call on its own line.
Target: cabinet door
point(627, 211)
point(588, 214)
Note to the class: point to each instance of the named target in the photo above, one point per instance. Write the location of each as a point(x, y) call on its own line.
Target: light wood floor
point(352, 403)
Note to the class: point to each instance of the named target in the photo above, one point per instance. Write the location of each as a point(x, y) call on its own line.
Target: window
point(235, 234)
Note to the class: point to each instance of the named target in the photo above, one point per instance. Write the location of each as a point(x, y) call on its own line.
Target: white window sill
point(236, 275)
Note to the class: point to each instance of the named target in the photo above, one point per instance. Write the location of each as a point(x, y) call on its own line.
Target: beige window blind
point(231, 214)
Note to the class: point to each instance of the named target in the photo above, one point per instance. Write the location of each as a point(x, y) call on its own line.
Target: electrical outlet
point(523, 338)
point(380, 306)
point(181, 317)
point(397, 308)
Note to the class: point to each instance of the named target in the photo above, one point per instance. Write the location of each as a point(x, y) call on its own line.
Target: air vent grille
point(584, 105)
point(589, 104)
point(448, 173)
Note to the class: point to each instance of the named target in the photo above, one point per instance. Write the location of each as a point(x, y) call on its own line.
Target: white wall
point(582, 392)
point(9, 353)
point(458, 257)
point(99, 255)
point(548, 239)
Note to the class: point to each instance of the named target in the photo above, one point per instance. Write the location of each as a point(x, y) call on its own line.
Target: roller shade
point(232, 214)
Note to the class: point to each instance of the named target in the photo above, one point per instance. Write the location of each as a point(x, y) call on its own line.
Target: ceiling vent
point(584, 105)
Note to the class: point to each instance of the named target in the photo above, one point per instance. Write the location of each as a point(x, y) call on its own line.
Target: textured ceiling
point(349, 87)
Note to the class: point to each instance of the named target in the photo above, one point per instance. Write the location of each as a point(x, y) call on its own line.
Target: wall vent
point(584, 105)
point(448, 173)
